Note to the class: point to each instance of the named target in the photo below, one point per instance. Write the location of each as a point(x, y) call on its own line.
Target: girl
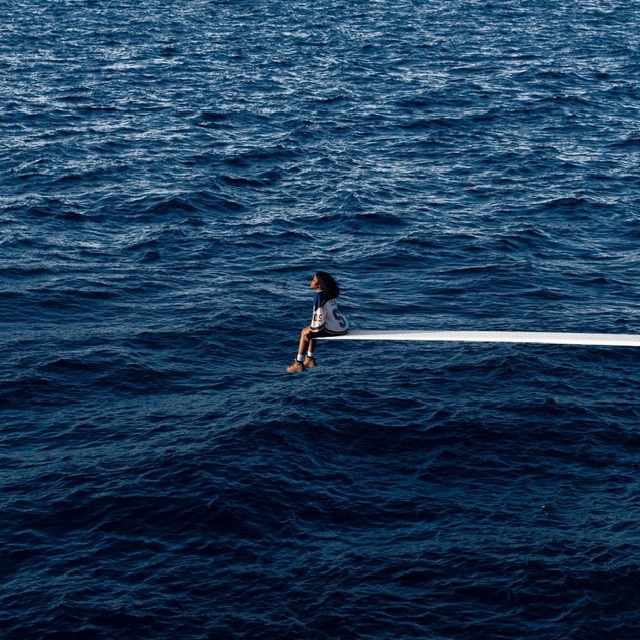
point(326, 321)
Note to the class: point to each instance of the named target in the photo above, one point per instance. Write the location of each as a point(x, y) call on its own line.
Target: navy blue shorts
point(323, 333)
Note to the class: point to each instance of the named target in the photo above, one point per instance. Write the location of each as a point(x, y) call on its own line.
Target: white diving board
point(535, 337)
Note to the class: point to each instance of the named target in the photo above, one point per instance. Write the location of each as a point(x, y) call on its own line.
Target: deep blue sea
point(173, 174)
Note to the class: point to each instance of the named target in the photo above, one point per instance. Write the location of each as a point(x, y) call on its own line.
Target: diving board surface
point(537, 337)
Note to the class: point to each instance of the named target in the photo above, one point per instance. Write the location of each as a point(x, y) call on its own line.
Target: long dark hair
point(328, 285)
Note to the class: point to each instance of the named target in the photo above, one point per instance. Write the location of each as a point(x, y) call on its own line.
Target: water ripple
point(172, 176)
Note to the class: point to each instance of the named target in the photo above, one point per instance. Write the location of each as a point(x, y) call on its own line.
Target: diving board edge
point(533, 337)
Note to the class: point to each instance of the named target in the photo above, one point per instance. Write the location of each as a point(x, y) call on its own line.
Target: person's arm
point(318, 320)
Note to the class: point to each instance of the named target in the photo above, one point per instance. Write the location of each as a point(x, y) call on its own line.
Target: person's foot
point(309, 362)
point(296, 367)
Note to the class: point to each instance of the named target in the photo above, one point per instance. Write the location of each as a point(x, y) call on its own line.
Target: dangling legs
point(305, 357)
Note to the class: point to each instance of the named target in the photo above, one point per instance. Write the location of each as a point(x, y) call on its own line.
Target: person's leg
point(311, 347)
point(309, 360)
point(303, 345)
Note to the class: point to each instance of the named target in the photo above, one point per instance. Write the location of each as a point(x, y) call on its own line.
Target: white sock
point(300, 357)
point(310, 354)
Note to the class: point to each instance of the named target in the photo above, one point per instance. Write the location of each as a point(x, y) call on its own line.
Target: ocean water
point(173, 173)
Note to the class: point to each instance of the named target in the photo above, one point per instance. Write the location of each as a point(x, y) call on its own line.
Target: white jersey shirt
point(327, 316)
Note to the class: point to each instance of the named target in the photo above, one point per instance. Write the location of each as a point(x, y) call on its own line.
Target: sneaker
point(309, 362)
point(296, 367)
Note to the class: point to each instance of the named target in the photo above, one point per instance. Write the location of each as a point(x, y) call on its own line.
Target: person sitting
point(326, 321)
